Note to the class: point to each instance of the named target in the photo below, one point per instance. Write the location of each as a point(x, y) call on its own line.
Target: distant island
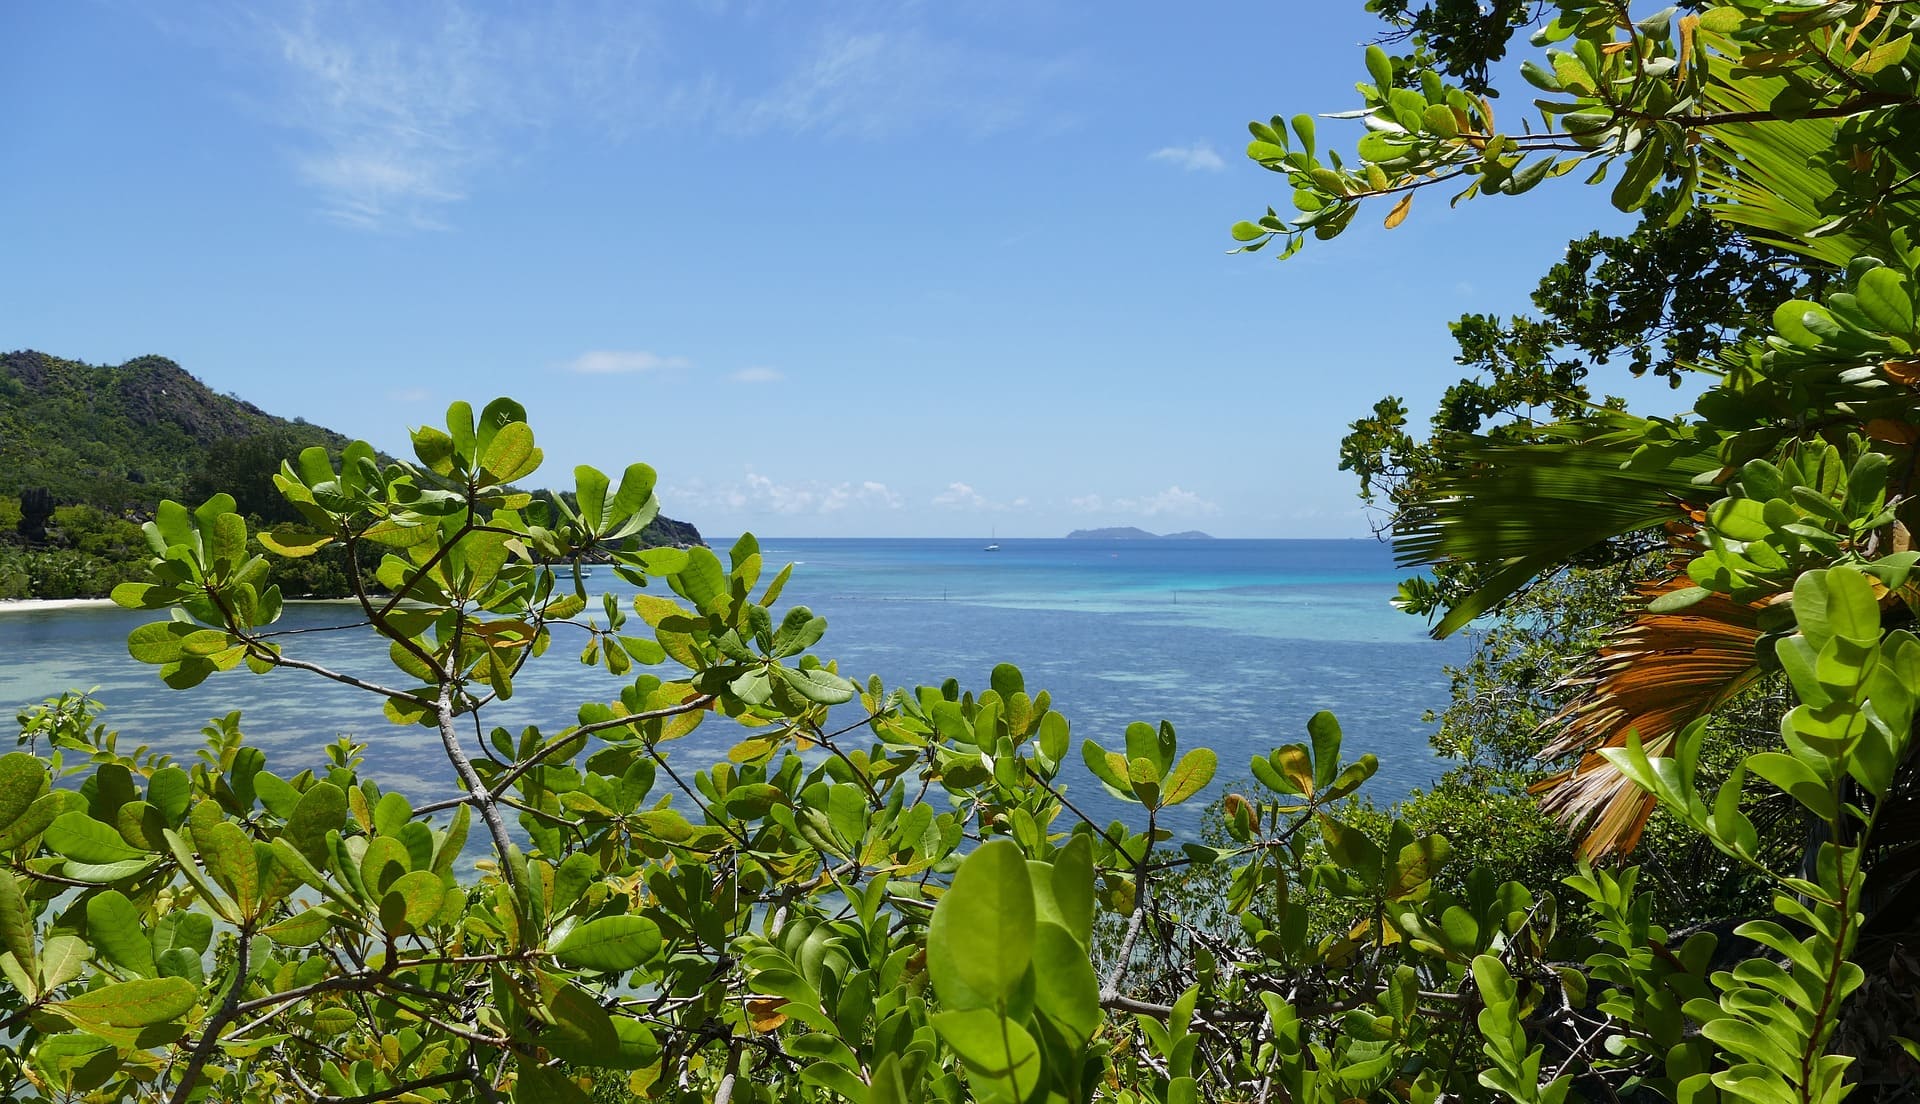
point(1128, 532)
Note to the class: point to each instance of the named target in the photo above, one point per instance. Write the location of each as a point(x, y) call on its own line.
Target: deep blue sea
point(1236, 642)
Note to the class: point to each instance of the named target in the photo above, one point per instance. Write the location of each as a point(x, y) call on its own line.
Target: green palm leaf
point(1517, 510)
point(1776, 177)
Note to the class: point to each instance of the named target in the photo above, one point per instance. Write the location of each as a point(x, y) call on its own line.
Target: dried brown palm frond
point(1655, 675)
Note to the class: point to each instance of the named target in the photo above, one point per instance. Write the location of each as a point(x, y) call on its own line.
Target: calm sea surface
point(1236, 643)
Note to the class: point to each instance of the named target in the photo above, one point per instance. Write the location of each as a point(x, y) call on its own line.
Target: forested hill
point(124, 437)
point(121, 438)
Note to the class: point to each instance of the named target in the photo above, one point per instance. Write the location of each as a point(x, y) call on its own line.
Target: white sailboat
point(993, 545)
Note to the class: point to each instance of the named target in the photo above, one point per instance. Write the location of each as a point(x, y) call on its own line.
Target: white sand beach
point(35, 605)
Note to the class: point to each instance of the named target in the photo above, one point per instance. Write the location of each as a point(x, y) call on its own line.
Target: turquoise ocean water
point(1235, 642)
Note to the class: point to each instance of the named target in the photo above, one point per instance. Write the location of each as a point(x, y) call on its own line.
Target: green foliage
point(909, 907)
point(1780, 509)
point(787, 924)
point(126, 436)
point(794, 922)
point(1462, 38)
point(92, 450)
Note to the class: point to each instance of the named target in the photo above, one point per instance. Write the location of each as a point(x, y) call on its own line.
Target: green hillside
point(122, 437)
point(87, 451)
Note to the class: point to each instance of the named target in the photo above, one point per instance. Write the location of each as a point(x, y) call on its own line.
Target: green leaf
point(1789, 321)
point(140, 596)
point(137, 1003)
point(170, 790)
point(412, 902)
point(847, 812)
point(636, 487)
point(1352, 777)
point(117, 928)
point(1851, 610)
point(302, 929)
point(665, 825)
point(1743, 519)
point(79, 837)
point(322, 809)
point(538, 1084)
point(590, 491)
point(1380, 68)
point(1102, 766)
point(289, 856)
point(1496, 985)
point(157, 641)
point(102, 873)
point(888, 1085)
point(1003, 1062)
point(391, 813)
point(1324, 729)
point(1352, 849)
point(1145, 777)
point(34, 821)
point(817, 684)
point(1880, 56)
point(703, 581)
point(63, 959)
point(1810, 601)
point(511, 454)
point(1679, 599)
point(23, 778)
point(16, 923)
point(227, 853)
point(1072, 884)
point(1066, 988)
point(610, 944)
point(980, 940)
point(834, 1076)
point(292, 541)
point(1796, 779)
point(1155, 745)
point(1882, 293)
point(583, 1033)
point(1190, 776)
point(385, 860)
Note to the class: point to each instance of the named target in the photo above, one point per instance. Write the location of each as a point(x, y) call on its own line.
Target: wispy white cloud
point(396, 113)
point(874, 81)
point(606, 362)
point(390, 120)
point(760, 494)
point(1175, 501)
point(1198, 157)
point(758, 374)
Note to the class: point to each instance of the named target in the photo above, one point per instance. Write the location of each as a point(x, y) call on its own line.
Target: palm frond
point(1517, 510)
point(1775, 176)
point(1655, 675)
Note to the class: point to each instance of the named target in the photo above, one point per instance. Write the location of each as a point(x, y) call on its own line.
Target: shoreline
point(37, 605)
point(42, 605)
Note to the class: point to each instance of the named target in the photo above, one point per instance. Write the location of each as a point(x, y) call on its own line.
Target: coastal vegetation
point(88, 451)
point(890, 894)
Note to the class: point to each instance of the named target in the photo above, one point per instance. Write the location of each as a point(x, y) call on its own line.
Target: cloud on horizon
point(961, 496)
point(759, 494)
point(758, 374)
point(1175, 501)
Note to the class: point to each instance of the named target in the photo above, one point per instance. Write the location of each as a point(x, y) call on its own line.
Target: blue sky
point(864, 269)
